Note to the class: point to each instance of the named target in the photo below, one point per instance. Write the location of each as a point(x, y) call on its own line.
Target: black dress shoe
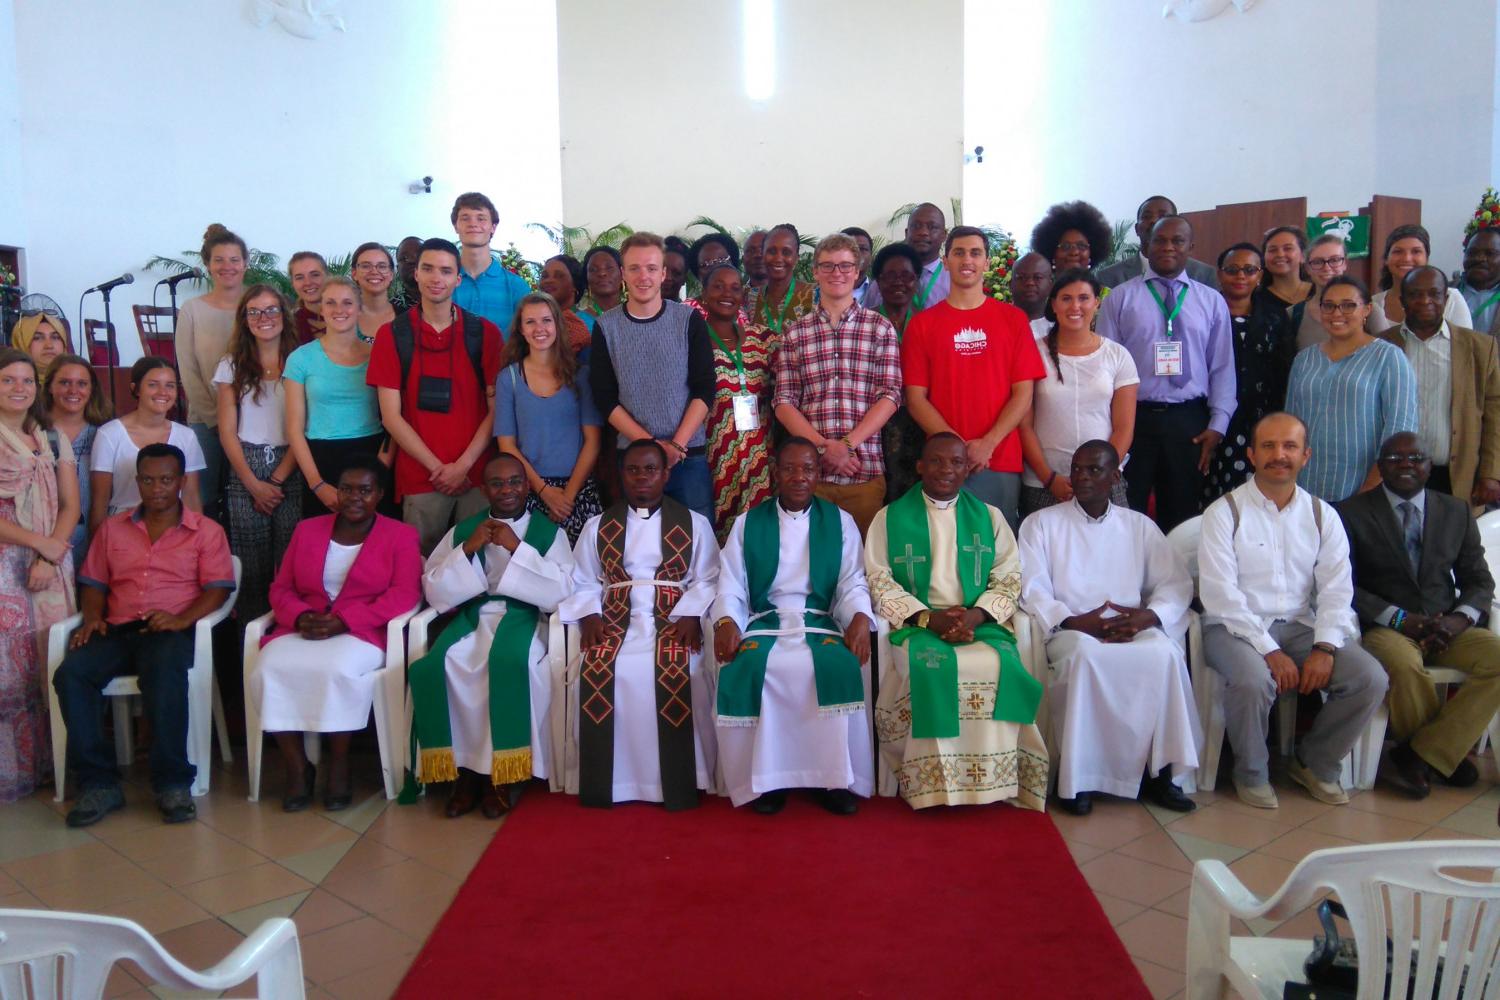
point(465, 796)
point(770, 803)
point(1162, 792)
point(335, 801)
point(839, 801)
point(296, 802)
point(493, 802)
point(1079, 805)
point(1463, 776)
point(1408, 772)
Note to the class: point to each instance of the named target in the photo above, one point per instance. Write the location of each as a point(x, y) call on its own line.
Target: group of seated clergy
point(1286, 582)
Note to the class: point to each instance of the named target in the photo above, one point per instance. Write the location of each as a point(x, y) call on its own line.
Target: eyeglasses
point(1248, 270)
point(270, 312)
point(1324, 263)
point(1347, 308)
point(368, 267)
point(831, 266)
point(1081, 247)
point(1413, 458)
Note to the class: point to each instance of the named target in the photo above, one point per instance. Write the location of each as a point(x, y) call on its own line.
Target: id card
point(746, 413)
point(1168, 357)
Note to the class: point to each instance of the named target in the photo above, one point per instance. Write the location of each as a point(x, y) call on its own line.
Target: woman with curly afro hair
point(1073, 234)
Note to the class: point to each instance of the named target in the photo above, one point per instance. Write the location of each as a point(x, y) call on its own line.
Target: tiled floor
point(367, 885)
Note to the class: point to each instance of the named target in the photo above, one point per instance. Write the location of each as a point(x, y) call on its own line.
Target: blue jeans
point(211, 478)
point(998, 489)
point(691, 485)
point(161, 661)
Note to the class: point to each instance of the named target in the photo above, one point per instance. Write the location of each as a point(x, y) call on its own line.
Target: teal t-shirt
point(339, 403)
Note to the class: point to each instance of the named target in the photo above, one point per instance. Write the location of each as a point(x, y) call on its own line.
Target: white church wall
point(142, 123)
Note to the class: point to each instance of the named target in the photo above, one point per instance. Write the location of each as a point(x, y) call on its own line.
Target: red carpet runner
point(636, 902)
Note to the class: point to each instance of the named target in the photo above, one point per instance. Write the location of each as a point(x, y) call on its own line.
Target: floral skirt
point(585, 505)
point(25, 746)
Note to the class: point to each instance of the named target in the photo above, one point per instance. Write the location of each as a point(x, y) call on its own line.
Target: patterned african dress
point(1265, 343)
point(740, 461)
point(25, 748)
point(901, 438)
point(776, 316)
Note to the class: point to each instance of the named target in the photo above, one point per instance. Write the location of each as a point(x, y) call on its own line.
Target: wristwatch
point(726, 620)
point(1324, 647)
point(923, 617)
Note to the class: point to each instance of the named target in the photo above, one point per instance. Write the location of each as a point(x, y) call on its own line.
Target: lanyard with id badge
point(746, 408)
point(1168, 352)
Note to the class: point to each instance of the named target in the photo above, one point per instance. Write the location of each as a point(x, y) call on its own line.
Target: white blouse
point(114, 452)
point(262, 421)
point(336, 566)
point(1066, 414)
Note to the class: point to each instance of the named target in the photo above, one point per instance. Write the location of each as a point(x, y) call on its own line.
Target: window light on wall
point(758, 28)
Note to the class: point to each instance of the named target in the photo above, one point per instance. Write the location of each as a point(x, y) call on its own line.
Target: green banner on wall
point(1354, 228)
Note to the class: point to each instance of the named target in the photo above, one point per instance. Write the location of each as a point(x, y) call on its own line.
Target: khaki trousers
point(861, 501)
point(432, 514)
point(1441, 734)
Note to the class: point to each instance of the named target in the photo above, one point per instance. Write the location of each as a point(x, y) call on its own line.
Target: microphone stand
point(109, 336)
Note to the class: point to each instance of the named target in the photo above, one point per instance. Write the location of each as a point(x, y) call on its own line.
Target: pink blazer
point(385, 580)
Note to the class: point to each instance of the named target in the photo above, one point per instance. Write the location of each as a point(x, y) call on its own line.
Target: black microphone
point(178, 279)
point(123, 279)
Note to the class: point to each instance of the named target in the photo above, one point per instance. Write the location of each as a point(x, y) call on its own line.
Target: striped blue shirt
point(1349, 406)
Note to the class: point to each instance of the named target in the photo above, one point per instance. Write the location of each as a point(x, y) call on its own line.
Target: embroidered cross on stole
point(596, 693)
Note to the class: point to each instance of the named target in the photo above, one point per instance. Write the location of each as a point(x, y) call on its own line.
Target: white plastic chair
point(1209, 686)
point(205, 707)
point(1395, 892)
point(68, 956)
point(417, 643)
point(1033, 659)
point(390, 704)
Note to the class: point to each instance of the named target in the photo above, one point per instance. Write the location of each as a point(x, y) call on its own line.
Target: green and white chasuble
point(791, 703)
point(956, 724)
point(482, 694)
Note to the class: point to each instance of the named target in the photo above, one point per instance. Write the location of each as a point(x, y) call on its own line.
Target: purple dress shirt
point(1130, 316)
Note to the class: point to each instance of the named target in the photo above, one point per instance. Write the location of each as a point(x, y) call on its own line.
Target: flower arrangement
point(7, 276)
point(1486, 216)
point(512, 261)
point(1003, 255)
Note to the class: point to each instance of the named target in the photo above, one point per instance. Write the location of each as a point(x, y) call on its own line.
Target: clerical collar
point(795, 515)
point(645, 513)
point(940, 504)
point(1093, 520)
point(501, 517)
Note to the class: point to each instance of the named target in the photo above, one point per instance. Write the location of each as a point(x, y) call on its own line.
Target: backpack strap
point(1234, 514)
point(405, 340)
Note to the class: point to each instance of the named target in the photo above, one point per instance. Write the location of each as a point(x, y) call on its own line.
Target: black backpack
point(405, 339)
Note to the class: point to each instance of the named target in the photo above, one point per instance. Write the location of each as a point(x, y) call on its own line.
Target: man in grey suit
point(1154, 208)
point(1410, 549)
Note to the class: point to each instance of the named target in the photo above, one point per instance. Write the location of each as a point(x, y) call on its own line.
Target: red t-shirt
point(967, 360)
point(440, 355)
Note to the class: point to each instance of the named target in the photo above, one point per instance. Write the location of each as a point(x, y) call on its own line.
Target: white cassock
point(793, 746)
point(542, 579)
point(1117, 709)
point(637, 768)
point(989, 760)
point(318, 685)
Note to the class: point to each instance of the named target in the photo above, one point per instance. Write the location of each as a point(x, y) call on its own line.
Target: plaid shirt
point(833, 376)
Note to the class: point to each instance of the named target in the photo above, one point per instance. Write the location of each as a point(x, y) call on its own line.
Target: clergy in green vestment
point(956, 715)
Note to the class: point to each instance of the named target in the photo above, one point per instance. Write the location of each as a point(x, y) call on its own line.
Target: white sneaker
point(1259, 796)
point(1323, 791)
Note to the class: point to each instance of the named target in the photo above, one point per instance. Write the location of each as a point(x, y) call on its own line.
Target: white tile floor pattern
point(373, 880)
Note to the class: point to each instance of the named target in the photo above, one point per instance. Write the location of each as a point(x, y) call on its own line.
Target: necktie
point(1411, 530)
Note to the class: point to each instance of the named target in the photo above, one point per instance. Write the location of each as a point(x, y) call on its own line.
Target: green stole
point(509, 670)
point(932, 663)
point(836, 671)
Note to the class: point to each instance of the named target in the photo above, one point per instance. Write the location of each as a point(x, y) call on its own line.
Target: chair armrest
point(395, 645)
point(416, 633)
point(273, 941)
point(57, 643)
point(256, 628)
